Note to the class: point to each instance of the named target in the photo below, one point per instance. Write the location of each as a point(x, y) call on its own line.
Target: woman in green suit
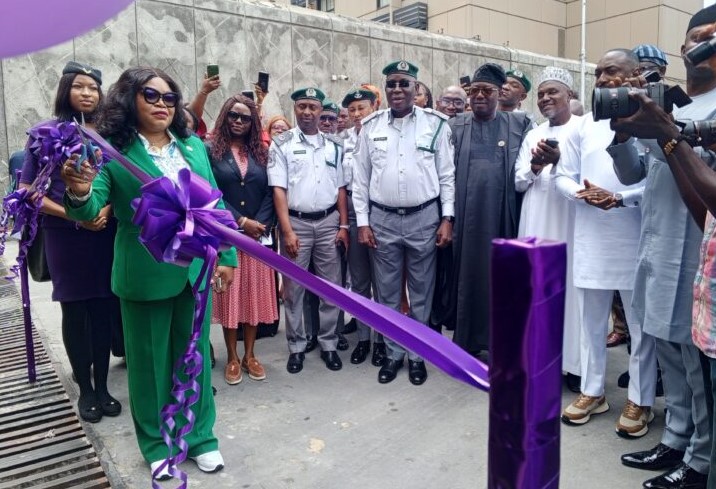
point(141, 120)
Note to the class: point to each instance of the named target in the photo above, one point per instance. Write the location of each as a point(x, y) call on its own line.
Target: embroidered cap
point(490, 73)
point(520, 77)
point(83, 69)
point(358, 95)
point(402, 67)
point(311, 93)
point(552, 73)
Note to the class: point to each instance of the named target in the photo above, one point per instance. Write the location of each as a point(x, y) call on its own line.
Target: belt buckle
point(299, 214)
point(401, 211)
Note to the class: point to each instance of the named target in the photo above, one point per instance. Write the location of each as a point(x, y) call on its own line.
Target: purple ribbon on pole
point(527, 316)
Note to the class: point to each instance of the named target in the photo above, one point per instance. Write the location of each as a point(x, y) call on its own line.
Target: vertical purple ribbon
point(527, 316)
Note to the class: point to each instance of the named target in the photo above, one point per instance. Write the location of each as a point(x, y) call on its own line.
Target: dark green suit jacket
point(136, 275)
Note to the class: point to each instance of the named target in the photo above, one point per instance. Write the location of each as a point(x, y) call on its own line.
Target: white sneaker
point(209, 462)
point(163, 474)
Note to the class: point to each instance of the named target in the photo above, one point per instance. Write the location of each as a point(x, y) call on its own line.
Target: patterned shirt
point(703, 330)
point(168, 158)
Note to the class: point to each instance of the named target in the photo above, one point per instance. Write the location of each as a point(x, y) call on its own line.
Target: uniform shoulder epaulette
point(372, 116)
point(335, 139)
point(436, 113)
point(283, 138)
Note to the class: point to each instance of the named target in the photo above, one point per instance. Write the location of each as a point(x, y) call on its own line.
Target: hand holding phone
point(263, 82)
point(212, 71)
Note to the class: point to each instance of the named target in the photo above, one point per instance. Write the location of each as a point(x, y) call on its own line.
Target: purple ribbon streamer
point(52, 143)
point(527, 316)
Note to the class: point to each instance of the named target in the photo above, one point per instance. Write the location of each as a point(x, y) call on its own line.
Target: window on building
point(327, 5)
point(298, 3)
point(382, 3)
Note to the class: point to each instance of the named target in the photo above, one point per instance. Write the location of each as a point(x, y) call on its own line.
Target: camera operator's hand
point(649, 122)
point(544, 154)
point(597, 196)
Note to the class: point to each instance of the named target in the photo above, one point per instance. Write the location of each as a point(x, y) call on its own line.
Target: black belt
point(312, 216)
point(404, 211)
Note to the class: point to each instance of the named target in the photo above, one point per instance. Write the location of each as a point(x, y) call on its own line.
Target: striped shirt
point(703, 329)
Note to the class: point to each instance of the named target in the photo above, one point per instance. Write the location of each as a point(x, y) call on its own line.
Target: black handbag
point(36, 258)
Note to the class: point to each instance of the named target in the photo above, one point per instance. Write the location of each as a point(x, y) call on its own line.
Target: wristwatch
point(620, 199)
point(449, 219)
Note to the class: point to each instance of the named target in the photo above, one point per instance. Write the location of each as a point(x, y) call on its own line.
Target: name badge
point(383, 138)
point(300, 152)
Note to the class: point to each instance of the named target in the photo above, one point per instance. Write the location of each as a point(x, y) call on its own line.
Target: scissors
point(87, 147)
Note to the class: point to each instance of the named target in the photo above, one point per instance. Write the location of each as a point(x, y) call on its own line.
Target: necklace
point(158, 145)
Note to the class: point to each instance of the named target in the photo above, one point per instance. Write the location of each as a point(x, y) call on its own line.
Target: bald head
point(452, 101)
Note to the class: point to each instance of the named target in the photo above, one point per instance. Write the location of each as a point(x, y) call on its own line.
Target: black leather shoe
point(350, 327)
point(417, 373)
point(658, 458)
point(623, 380)
point(312, 343)
point(360, 353)
point(342, 342)
point(574, 382)
point(389, 370)
point(295, 363)
point(682, 477)
point(332, 360)
point(378, 354)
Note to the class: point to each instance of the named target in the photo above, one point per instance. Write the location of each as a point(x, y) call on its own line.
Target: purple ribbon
point(527, 309)
point(52, 144)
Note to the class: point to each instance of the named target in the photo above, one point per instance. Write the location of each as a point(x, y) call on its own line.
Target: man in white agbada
point(545, 213)
point(606, 237)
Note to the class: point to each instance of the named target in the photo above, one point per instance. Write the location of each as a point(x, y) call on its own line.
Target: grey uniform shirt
point(311, 174)
point(403, 162)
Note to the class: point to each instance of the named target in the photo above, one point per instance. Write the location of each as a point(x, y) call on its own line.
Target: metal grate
point(42, 444)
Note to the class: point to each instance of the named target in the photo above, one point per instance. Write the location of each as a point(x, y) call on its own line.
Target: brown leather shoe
point(615, 339)
point(232, 373)
point(254, 368)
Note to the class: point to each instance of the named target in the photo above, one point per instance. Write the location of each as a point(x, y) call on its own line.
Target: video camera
point(614, 103)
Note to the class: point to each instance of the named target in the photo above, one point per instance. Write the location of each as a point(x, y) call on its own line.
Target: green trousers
point(156, 334)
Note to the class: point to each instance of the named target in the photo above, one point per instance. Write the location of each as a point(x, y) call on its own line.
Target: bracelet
point(344, 226)
point(670, 145)
point(242, 221)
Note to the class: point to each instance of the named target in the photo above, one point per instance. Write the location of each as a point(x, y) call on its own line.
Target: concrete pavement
point(342, 430)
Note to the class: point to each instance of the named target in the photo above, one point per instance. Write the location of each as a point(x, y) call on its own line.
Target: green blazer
point(136, 276)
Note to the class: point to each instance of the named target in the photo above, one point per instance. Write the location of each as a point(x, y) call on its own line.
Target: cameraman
point(668, 262)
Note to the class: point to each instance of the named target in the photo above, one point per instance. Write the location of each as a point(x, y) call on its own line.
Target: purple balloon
point(31, 25)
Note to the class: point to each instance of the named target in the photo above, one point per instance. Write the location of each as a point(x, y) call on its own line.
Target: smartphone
point(263, 81)
point(651, 76)
point(551, 142)
point(248, 94)
point(212, 70)
point(464, 80)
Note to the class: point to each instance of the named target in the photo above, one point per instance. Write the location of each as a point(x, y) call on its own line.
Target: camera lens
point(701, 51)
point(700, 133)
point(610, 103)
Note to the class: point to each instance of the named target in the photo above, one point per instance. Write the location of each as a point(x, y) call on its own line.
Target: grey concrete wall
point(296, 46)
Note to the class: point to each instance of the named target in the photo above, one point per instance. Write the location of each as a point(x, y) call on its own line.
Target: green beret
point(309, 93)
point(330, 106)
point(358, 95)
point(402, 67)
point(521, 77)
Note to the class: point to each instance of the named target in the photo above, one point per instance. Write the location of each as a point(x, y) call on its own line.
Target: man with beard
point(545, 214)
point(403, 192)
point(665, 289)
point(359, 104)
point(305, 170)
point(452, 101)
point(606, 237)
point(487, 143)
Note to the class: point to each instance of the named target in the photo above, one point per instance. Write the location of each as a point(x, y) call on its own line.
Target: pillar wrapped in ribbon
point(527, 315)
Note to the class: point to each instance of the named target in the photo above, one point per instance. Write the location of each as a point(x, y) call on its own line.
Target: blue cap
point(649, 52)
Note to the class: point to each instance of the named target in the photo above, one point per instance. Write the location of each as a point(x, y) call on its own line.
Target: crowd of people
point(400, 204)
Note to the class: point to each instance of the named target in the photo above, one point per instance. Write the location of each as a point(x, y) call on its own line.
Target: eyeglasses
point(328, 118)
point(235, 116)
point(152, 96)
point(458, 103)
point(485, 91)
point(398, 83)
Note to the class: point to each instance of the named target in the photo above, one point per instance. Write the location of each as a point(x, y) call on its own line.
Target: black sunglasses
point(152, 96)
point(329, 118)
point(485, 91)
point(235, 116)
point(398, 83)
